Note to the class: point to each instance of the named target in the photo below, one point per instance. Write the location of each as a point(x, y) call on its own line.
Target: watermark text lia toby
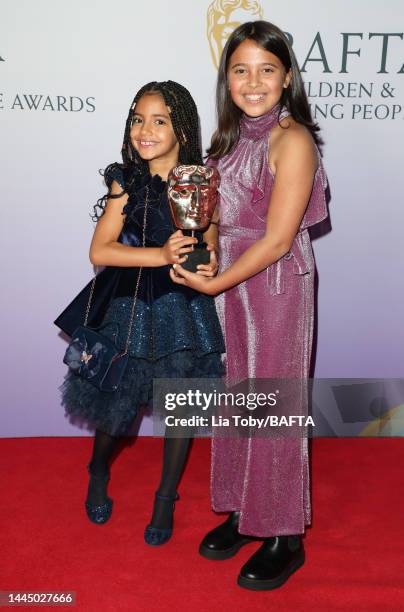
point(237, 420)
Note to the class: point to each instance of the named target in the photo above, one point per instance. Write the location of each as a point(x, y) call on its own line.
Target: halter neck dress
point(268, 328)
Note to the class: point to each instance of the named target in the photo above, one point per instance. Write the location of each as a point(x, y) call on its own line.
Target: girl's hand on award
point(196, 281)
point(176, 248)
point(212, 267)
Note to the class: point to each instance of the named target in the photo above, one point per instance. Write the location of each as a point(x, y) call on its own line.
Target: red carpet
point(354, 550)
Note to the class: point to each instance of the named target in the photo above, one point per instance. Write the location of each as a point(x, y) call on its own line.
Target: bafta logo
point(223, 17)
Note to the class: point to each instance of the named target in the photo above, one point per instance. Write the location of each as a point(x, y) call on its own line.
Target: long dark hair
point(269, 37)
point(185, 120)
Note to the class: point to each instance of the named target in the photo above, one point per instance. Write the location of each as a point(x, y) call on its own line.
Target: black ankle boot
point(224, 541)
point(272, 564)
point(99, 513)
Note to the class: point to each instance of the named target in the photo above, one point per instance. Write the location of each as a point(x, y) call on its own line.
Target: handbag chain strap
point(132, 314)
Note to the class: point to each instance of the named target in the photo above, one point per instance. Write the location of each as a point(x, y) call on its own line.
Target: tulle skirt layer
point(115, 412)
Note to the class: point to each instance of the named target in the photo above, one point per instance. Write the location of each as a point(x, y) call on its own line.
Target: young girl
point(175, 332)
point(272, 190)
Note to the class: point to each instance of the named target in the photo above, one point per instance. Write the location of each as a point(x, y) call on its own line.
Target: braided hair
point(185, 121)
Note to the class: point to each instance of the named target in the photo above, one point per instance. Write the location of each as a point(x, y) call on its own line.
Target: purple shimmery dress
point(268, 326)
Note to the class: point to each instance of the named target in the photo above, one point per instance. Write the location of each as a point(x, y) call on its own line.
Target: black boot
point(224, 541)
point(272, 564)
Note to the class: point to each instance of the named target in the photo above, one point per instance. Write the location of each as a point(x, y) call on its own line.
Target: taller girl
point(272, 190)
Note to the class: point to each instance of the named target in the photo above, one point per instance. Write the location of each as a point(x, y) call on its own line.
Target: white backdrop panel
point(96, 55)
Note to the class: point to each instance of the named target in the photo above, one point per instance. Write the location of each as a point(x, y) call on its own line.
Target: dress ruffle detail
point(114, 413)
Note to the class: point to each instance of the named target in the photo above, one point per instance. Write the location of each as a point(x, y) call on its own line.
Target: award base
point(200, 255)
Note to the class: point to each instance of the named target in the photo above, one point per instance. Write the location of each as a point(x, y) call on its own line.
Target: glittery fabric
point(99, 514)
point(175, 333)
point(167, 324)
point(268, 328)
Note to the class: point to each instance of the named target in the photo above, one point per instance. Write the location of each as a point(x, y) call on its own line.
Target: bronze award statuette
point(192, 194)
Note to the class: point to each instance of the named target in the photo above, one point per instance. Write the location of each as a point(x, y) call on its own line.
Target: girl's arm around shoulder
point(105, 250)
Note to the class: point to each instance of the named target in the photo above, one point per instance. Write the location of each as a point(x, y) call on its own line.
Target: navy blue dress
point(176, 331)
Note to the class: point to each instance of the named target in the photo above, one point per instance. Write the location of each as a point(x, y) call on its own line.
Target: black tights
point(103, 449)
point(174, 458)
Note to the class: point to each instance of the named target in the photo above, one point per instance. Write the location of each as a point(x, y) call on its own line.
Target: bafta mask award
point(192, 194)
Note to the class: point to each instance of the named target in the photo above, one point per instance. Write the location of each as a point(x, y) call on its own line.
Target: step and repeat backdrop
point(68, 72)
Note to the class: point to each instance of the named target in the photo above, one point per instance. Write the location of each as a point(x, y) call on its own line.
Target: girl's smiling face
point(256, 78)
point(152, 133)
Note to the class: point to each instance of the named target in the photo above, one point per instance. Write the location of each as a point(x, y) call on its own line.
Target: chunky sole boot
point(224, 541)
point(272, 564)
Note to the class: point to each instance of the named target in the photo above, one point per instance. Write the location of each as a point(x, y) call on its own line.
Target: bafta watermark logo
point(223, 17)
point(1, 59)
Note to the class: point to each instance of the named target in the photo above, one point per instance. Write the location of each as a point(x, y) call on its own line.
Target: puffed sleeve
point(114, 172)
